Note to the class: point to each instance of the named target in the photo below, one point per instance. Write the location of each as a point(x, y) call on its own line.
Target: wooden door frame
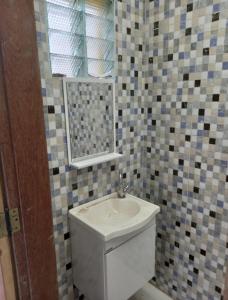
point(23, 152)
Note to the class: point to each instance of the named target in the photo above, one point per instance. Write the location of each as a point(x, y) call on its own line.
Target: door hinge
point(9, 222)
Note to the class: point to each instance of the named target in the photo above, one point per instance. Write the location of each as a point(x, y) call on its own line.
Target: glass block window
point(81, 37)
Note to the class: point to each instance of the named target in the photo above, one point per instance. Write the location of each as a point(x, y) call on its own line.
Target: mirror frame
point(73, 161)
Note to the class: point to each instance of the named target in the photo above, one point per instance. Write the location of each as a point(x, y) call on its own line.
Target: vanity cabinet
point(115, 269)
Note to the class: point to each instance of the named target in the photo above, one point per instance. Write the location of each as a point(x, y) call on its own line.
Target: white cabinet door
point(130, 266)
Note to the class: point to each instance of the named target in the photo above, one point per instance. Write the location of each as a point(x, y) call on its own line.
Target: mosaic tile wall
point(71, 187)
point(90, 118)
point(186, 145)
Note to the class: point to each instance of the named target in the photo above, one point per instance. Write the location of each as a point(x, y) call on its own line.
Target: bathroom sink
point(113, 246)
point(112, 212)
point(111, 217)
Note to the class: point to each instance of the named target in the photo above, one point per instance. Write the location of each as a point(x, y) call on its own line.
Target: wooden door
point(23, 153)
point(9, 185)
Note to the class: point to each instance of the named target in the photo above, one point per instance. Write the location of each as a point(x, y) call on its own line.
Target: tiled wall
point(186, 146)
point(70, 187)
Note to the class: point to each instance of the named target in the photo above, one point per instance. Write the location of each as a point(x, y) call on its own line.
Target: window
point(81, 37)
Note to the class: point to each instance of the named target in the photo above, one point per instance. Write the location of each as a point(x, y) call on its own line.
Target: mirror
point(89, 107)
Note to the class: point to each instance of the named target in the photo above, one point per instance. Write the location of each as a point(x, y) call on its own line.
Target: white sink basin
point(113, 212)
point(112, 217)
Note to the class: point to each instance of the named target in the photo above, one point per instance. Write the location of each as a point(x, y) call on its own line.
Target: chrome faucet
point(123, 188)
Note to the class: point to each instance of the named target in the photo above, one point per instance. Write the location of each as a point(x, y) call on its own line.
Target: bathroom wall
point(70, 187)
point(186, 146)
